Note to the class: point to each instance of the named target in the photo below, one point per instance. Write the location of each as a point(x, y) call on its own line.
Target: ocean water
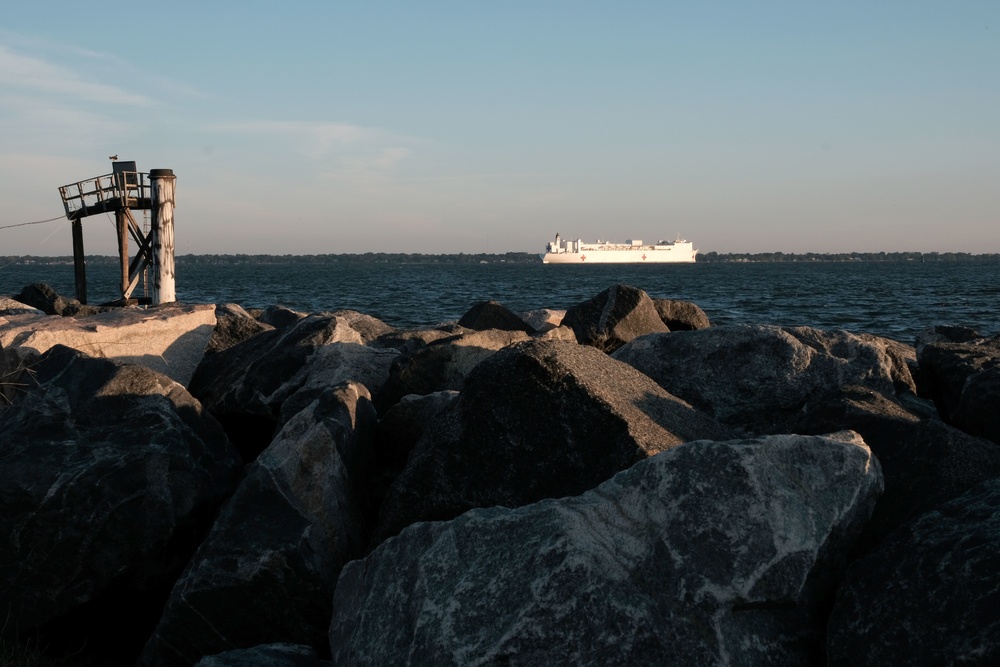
point(892, 299)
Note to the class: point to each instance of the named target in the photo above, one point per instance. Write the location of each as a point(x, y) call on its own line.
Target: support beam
point(121, 224)
point(162, 233)
point(79, 261)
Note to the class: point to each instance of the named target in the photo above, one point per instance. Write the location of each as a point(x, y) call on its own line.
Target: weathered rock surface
point(538, 419)
point(760, 377)
point(925, 462)
point(266, 571)
point(398, 432)
point(170, 339)
point(245, 386)
point(493, 315)
point(108, 474)
point(267, 655)
point(279, 316)
point(47, 300)
point(335, 363)
point(710, 553)
point(233, 325)
point(681, 315)
point(543, 319)
point(962, 372)
point(614, 317)
point(442, 364)
point(929, 594)
point(10, 307)
point(370, 328)
point(411, 340)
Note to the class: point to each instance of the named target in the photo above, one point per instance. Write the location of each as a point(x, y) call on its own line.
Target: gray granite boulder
point(47, 300)
point(681, 315)
point(411, 340)
point(279, 316)
point(233, 325)
point(759, 377)
point(710, 553)
point(493, 315)
point(614, 317)
point(442, 364)
point(370, 328)
point(267, 570)
point(335, 363)
point(925, 463)
point(538, 419)
point(543, 319)
point(10, 307)
point(245, 385)
point(929, 594)
point(170, 339)
point(962, 373)
point(109, 474)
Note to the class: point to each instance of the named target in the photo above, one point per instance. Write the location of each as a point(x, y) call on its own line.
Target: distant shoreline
point(508, 258)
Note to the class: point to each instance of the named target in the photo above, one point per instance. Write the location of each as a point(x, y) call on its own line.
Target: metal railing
point(128, 187)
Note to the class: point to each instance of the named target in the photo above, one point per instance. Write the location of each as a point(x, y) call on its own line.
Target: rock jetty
point(614, 482)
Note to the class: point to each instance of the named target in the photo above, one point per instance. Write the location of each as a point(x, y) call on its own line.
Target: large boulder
point(760, 377)
point(267, 570)
point(46, 299)
point(170, 339)
point(442, 364)
point(538, 419)
point(711, 553)
point(614, 317)
point(335, 363)
point(109, 475)
point(246, 385)
point(370, 328)
point(233, 325)
point(925, 463)
point(493, 315)
point(9, 307)
point(962, 372)
point(681, 315)
point(929, 594)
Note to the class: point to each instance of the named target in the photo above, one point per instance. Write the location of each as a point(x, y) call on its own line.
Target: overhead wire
point(36, 222)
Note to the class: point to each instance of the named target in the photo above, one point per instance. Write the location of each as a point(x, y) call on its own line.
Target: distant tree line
point(848, 257)
point(509, 258)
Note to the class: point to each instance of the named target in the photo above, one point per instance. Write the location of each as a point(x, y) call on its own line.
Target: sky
point(470, 126)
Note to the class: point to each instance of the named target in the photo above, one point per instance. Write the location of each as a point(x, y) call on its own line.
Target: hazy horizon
point(446, 127)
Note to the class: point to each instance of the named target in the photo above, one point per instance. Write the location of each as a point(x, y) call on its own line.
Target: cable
point(36, 222)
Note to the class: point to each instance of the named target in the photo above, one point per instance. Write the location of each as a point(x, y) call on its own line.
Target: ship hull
point(620, 257)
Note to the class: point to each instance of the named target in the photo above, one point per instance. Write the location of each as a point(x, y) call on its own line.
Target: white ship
point(632, 251)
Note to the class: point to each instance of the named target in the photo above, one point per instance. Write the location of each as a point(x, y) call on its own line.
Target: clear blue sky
point(327, 127)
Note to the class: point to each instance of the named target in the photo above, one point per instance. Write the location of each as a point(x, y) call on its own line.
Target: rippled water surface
point(893, 299)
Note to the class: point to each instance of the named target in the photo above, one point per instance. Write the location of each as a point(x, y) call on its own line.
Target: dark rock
point(442, 364)
point(399, 430)
point(962, 374)
point(929, 595)
point(493, 315)
point(711, 553)
point(543, 319)
point(334, 363)
point(245, 385)
point(47, 300)
point(370, 328)
point(268, 655)
point(109, 474)
point(681, 315)
point(614, 317)
point(925, 463)
point(233, 326)
point(279, 316)
point(411, 340)
point(538, 419)
point(267, 570)
point(761, 377)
